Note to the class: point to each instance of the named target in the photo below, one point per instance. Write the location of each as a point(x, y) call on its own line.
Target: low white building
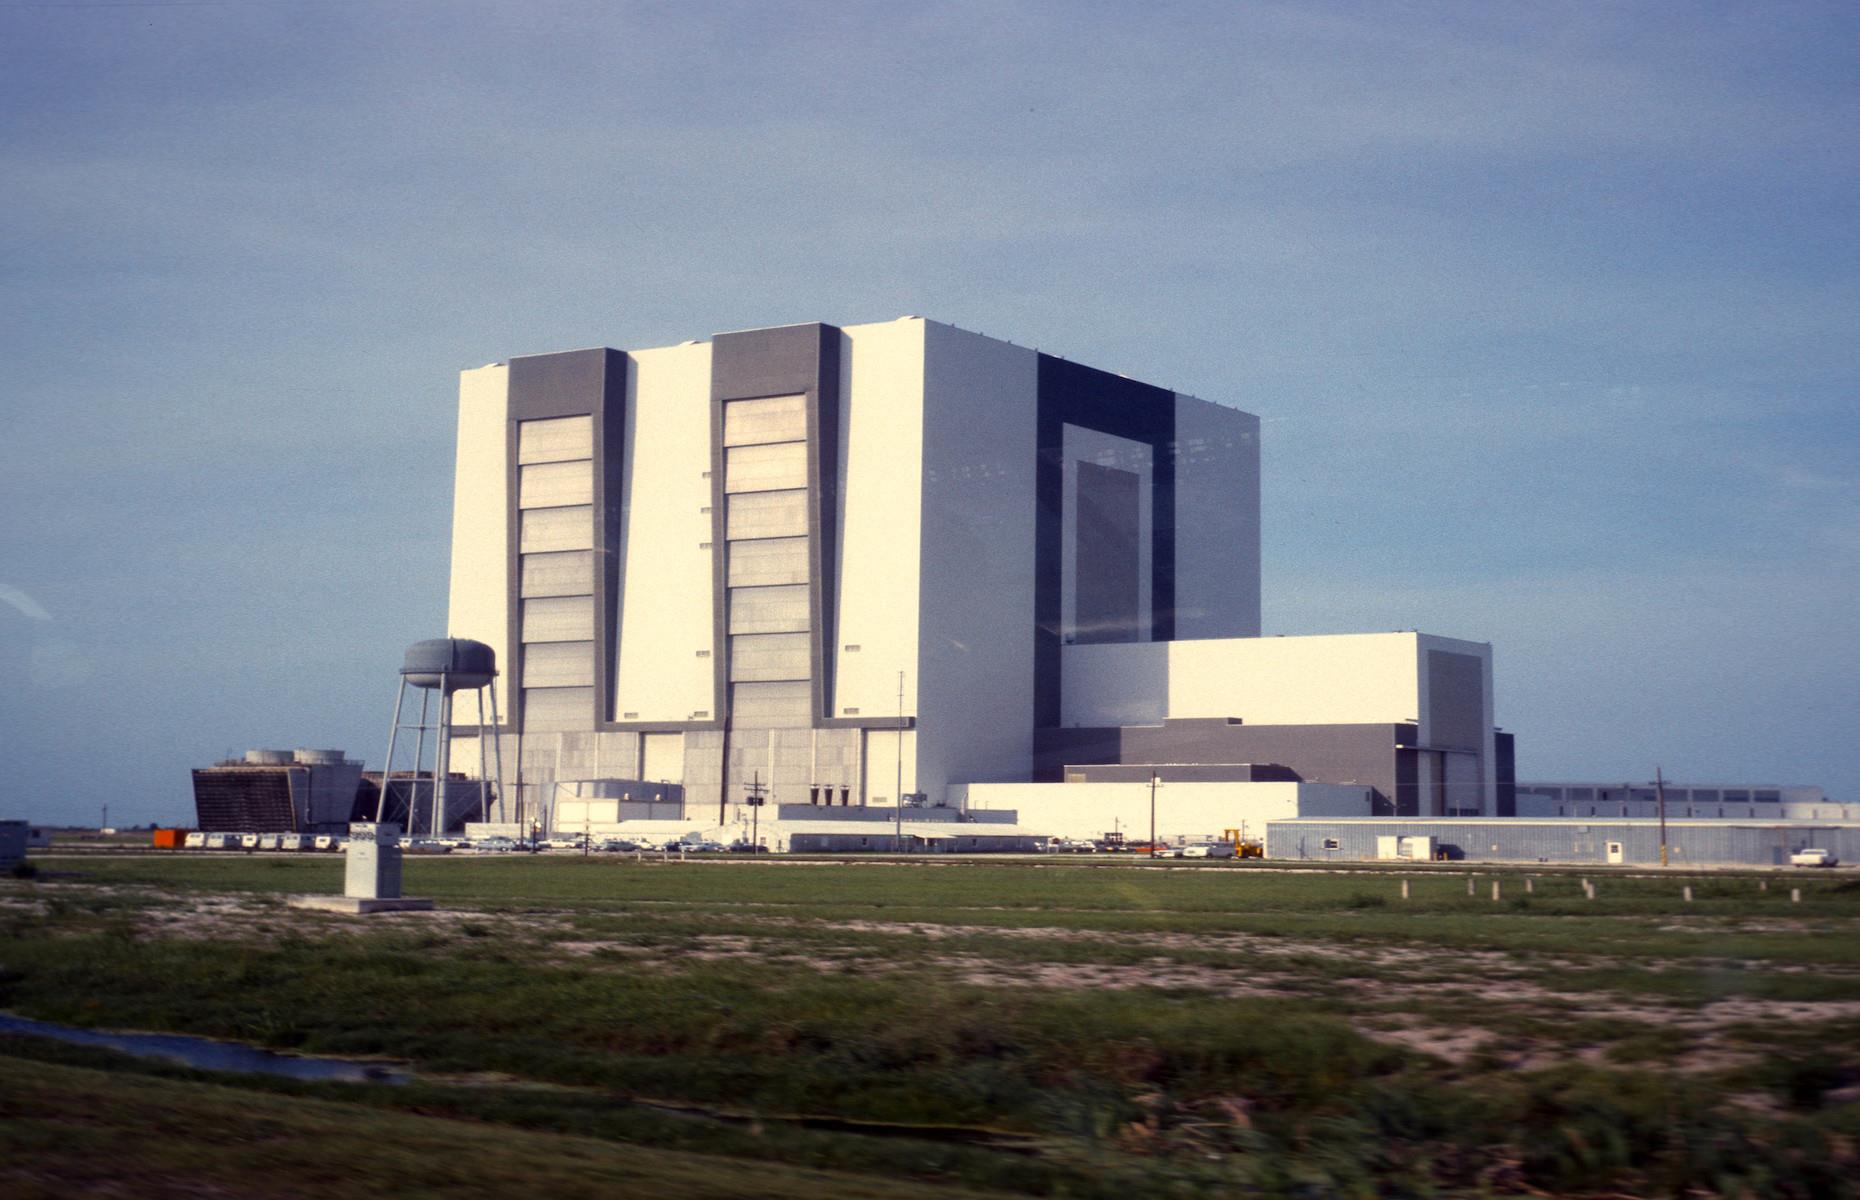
point(1185, 812)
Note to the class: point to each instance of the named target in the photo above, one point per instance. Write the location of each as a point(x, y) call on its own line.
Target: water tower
point(446, 666)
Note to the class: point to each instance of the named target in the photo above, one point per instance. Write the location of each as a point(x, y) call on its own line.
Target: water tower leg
point(387, 768)
point(442, 757)
point(419, 757)
point(484, 800)
point(497, 752)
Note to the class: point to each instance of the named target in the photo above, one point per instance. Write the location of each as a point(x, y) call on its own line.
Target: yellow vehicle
point(1244, 847)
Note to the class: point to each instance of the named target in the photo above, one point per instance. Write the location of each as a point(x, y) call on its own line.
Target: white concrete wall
point(975, 701)
point(1216, 520)
point(881, 481)
point(479, 603)
point(879, 750)
point(1194, 811)
point(666, 604)
point(1344, 679)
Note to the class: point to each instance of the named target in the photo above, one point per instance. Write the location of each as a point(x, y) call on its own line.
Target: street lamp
point(897, 843)
point(1155, 782)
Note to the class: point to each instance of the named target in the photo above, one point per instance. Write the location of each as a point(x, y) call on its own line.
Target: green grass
point(1078, 1030)
point(68, 1130)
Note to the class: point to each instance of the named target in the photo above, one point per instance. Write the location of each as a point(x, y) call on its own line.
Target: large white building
point(853, 563)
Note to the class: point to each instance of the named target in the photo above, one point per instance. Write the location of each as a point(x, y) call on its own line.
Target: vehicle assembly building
point(849, 565)
point(903, 586)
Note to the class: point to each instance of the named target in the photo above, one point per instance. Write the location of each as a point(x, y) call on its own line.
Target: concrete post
point(373, 869)
point(1530, 885)
point(1795, 895)
point(370, 875)
point(1688, 893)
point(1404, 889)
point(1495, 889)
point(1763, 885)
point(1471, 886)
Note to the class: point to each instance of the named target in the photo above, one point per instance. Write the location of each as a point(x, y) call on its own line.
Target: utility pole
point(755, 802)
point(103, 822)
point(1659, 792)
point(1155, 782)
point(898, 796)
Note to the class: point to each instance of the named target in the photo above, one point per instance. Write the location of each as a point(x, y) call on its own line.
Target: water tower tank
point(464, 663)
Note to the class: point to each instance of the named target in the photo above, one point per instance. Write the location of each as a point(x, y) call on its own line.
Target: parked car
point(747, 847)
point(1813, 856)
point(617, 846)
point(195, 841)
point(495, 845)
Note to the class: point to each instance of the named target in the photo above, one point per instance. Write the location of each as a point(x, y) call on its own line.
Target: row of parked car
point(263, 841)
point(195, 840)
point(1160, 850)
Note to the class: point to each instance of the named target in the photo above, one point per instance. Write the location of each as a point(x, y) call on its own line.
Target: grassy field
point(1053, 1028)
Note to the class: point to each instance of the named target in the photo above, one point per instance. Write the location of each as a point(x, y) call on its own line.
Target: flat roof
point(1562, 822)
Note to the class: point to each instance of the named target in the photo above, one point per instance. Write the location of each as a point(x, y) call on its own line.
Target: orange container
point(168, 839)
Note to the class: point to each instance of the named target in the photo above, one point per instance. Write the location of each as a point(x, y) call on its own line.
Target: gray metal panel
point(766, 515)
point(771, 705)
point(542, 530)
point(1181, 773)
point(776, 467)
point(582, 389)
point(769, 609)
point(549, 709)
point(1106, 555)
point(769, 656)
point(556, 484)
point(768, 561)
point(1073, 394)
point(771, 419)
point(1455, 700)
point(558, 664)
point(558, 619)
point(555, 439)
point(1363, 755)
point(566, 573)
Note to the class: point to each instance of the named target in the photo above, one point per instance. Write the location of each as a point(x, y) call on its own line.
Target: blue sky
point(1550, 311)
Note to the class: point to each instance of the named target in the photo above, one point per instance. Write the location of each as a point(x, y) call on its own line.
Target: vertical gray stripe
point(1106, 555)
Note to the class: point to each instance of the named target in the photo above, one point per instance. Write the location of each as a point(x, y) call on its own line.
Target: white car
point(1813, 857)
